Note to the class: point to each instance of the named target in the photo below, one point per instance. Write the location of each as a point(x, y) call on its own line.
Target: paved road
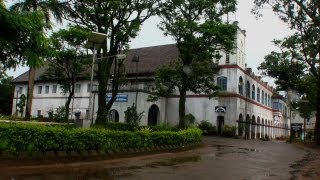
point(220, 159)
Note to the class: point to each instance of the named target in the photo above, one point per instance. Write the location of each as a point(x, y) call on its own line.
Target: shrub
point(132, 116)
point(207, 128)
point(29, 137)
point(189, 120)
point(229, 131)
point(58, 116)
point(164, 127)
point(117, 126)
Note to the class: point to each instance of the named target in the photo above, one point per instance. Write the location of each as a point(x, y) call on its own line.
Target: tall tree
point(21, 38)
point(67, 61)
point(201, 35)
point(47, 7)
point(121, 21)
point(304, 18)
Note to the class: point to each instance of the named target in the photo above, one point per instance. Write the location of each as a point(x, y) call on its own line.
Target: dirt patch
point(308, 167)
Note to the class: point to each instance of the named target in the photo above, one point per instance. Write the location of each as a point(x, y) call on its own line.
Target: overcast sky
point(260, 33)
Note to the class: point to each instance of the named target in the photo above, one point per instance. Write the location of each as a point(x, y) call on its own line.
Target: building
point(245, 101)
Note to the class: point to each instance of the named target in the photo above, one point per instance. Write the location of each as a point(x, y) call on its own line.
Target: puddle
point(175, 161)
point(251, 150)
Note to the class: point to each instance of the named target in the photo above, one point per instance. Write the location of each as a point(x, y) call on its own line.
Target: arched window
point(253, 94)
point(258, 94)
point(113, 116)
point(262, 97)
point(248, 89)
point(240, 86)
point(222, 83)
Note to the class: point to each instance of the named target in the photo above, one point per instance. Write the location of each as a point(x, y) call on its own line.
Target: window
point(227, 58)
point(47, 89)
point(20, 90)
point(276, 106)
point(262, 97)
point(269, 101)
point(253, 94)
point(77, 88)
point(265, 99)
point(258, 95)
point(240, 85)
point(39, 113)
point(248, 89)
point(54, 89)
point(39, 89)
point(222, 83)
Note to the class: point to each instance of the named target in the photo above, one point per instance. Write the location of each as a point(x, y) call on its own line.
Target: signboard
point(221, 109)
point(296, 127)
point(119, 98)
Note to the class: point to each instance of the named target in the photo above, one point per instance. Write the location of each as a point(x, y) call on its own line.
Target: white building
point(245, 100)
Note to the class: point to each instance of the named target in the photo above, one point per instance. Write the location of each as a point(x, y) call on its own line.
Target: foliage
point(229, 131)
point(121, 21)
point(285, 65)
point(200, 34)
point(67, 61)
point(117, 126)
point(189, 120)
point(22, 40)
point(164, 127)
point(207, 128)
point(6, 95)
point(22, 103)
point(303, 46)
point(25, 137)
point(47, 7)
point(131, 115)
point(60, 114)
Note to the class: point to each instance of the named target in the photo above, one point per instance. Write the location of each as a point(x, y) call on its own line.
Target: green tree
point(22, 103)
point(132, 116)
point(200, 35)
point(47, 7)
point(304, 18)
point(6, 95)
point(21, 38)
point(121, 21)
point(67, 61)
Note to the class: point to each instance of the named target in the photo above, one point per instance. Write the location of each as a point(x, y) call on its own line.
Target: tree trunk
point(182, 102)
point(317, 126)
point(104, 67)
point(182, 108)
point(115, 88)
point(67, 105)
point(32, 73)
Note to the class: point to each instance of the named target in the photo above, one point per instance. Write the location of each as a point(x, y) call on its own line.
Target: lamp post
point(136, 59)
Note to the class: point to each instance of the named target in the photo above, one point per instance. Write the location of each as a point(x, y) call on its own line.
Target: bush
point(58, 116)
point(189, 120)
point(164, 127)
point(229, 131)
point(132, 116)
point(28, 137)
point(118, 126)
point(207, 128)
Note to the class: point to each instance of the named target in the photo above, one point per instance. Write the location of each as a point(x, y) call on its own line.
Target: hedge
point(133, 127)
point(28, 137)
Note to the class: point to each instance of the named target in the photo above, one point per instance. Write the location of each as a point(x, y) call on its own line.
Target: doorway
point(220, 122)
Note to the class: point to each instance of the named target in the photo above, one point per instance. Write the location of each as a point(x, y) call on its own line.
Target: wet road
point(220, 159)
